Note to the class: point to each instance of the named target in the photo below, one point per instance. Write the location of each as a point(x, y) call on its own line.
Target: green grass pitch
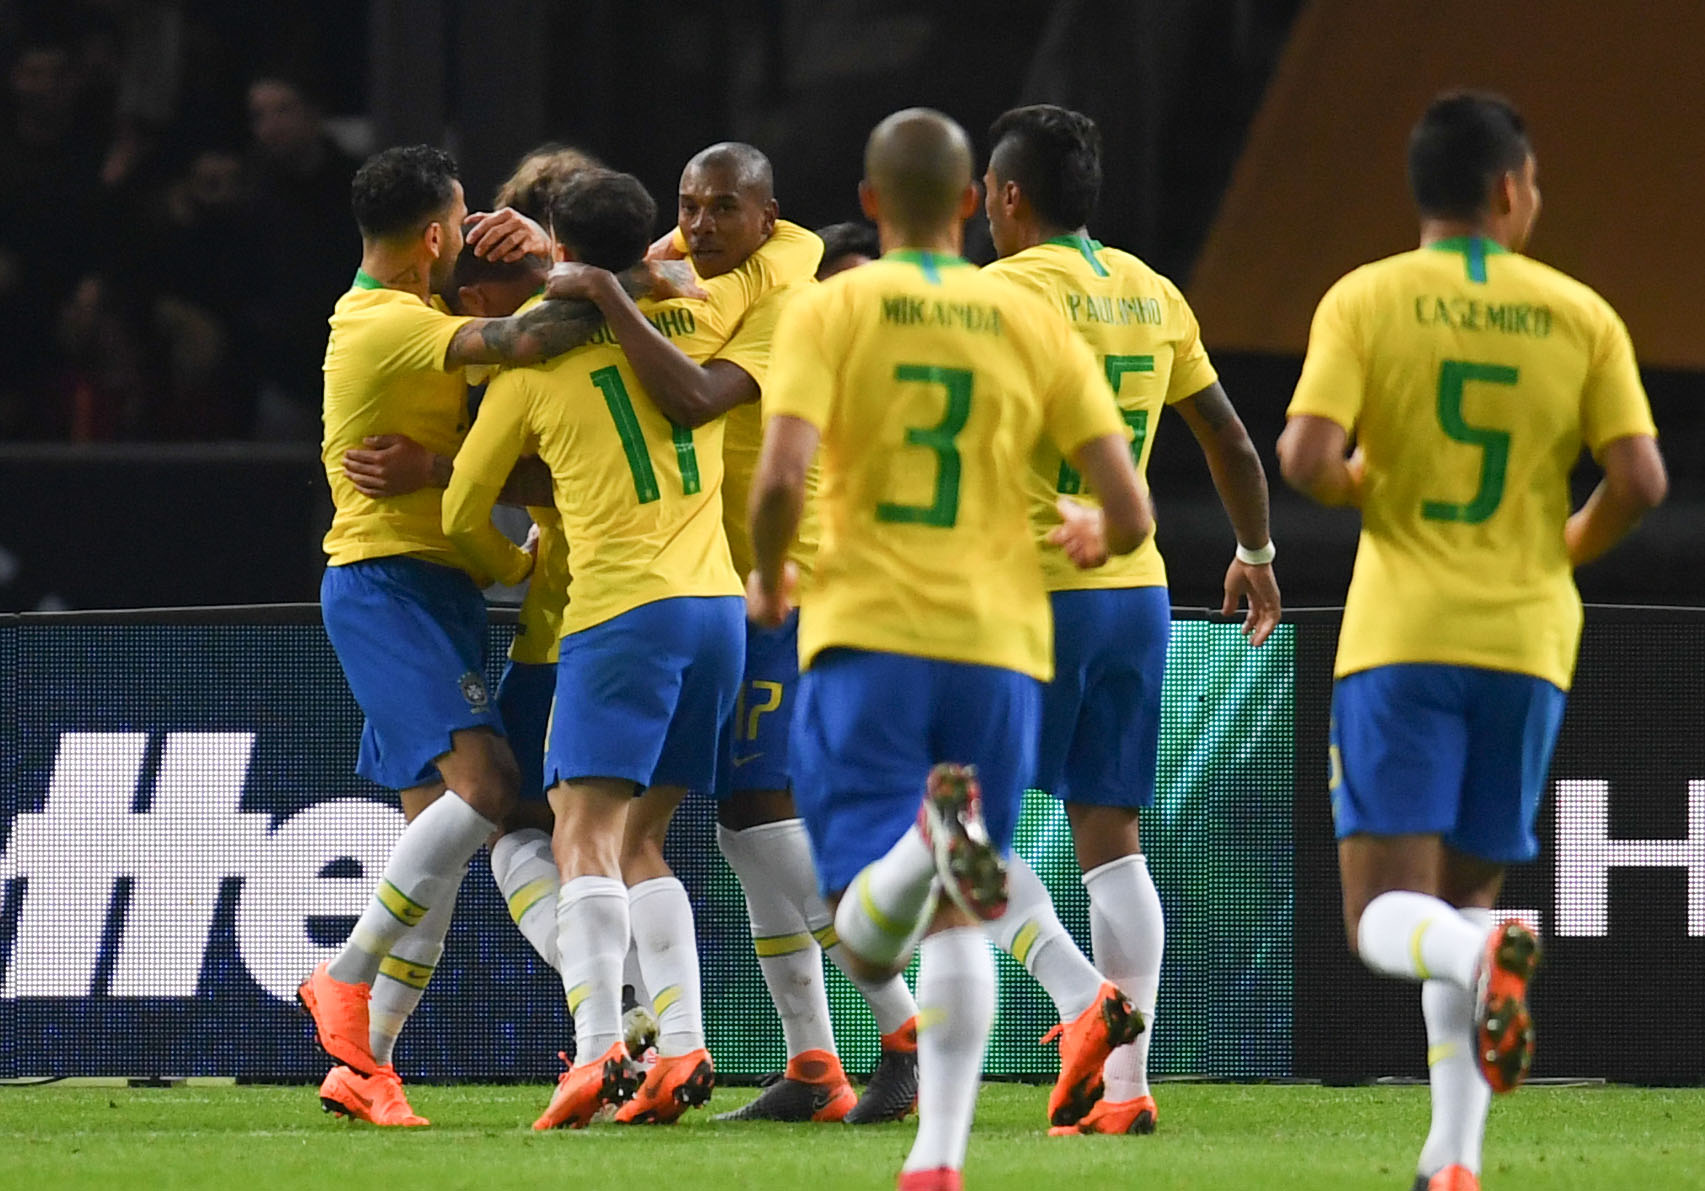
point(1211, 1136)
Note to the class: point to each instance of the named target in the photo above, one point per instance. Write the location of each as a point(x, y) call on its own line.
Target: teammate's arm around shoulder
point(1634, 484)
point(482, 467)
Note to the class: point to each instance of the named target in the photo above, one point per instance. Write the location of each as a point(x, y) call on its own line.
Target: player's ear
point(434, 238)
point(470, 300)
point(1504, 193)
point(970, 200)
point(772, 212)
point(867, 201)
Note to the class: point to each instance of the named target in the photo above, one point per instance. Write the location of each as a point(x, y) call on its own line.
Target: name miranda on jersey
point(907, 311)
point(1468, 314)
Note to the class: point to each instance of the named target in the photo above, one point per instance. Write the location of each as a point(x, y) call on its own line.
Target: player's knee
point(755, 808)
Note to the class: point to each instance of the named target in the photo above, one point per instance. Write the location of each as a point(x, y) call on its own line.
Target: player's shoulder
point(1560, 289)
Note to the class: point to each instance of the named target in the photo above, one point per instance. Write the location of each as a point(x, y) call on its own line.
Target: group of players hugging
point(854, 539)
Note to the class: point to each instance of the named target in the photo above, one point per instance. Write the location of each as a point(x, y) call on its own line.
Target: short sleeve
point(1613, 402)
point(1192, 371)
point(1333, 380)
point(413, 337)
point(792, 253)
point(753, 343)
point(802, 375)
point(1079, 405)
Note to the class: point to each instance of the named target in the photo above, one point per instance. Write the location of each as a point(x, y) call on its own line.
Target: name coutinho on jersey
point(671, 324)
point(1468, 314)
point(906, 311)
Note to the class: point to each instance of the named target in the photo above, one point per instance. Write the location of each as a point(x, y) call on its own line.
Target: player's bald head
point(918, 162)
point(744, 167)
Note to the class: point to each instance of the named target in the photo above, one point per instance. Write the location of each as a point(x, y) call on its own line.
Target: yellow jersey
point(743, 437)
point(385, 374)
point(931, 384)
point(640, 498)
point(1145, 336)
point(1470, 377)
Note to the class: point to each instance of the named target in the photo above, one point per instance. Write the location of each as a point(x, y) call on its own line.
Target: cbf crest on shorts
point(473, 689)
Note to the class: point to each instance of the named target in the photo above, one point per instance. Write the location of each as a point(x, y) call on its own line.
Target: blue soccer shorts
point(1101, 714)
point(643, 695)
point(411, 638)
point(1454, 751)
point(869, 726)
point(524, 695)
point(755, 748)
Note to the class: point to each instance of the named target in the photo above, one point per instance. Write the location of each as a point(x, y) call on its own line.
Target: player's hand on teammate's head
point(388, 465)
point(1260, 587)
point(1083, 535)
point(769, 608)
point(506, 235)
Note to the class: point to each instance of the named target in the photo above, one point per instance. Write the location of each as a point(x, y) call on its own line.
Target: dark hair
point(1464, 141)
point(849, 239)
point(606, 217)
point(1055, 157)
point(400, 189)
point(474, 269)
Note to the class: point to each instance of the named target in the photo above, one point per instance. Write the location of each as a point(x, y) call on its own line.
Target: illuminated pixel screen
point(182, 837)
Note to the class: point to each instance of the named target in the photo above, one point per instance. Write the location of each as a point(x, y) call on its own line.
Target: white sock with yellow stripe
point(1030, 931)
point(526, 874)
point(891, 1002)
point(1460, 1093)
point(1128, 933)
point(885, 909)
point(662, 923)
point(956, 1007)
point(404, 975)
point(768, 859)
point(1415, 936)
point(592, 937)
point(426, 865)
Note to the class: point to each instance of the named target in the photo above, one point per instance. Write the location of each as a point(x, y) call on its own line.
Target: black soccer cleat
point(795, 1100)
point(892, 1092)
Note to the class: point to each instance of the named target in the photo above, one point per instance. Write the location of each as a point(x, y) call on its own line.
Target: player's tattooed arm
point(556, 325)
point(689, 393)
point(1241, 481)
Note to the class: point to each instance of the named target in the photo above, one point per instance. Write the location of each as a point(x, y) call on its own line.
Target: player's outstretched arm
point(395, 465)
point(1127, 518)
point(778, 498)
point(689, 393)
point(1313, 459)
point(1241, 481)
point(557, 325)
point(1634, 484)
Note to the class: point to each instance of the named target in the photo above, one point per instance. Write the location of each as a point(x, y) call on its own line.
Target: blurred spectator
point(309, 251)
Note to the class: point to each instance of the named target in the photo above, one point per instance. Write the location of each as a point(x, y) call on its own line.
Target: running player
point(404, 615)
point(926, 632)
point(727, 214)
point(1101, 713)
point(1469, 376)
point(650, 658)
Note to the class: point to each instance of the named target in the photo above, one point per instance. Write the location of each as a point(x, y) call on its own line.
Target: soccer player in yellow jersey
point(649, 661)
point(1101, 712)
point(727, 216)
point(925, 634)
point(1470, 376)
point(402, 611)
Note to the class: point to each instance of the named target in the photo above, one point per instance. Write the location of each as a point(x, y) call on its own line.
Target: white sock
point(1030, 931)
point(1127, 933)
point(767, 858)
point(891, 1002)
point(426, 864)
point(956, 1001)
point(592, 935)
point(404, 975)
point(1460, 1093)
point(662, 919)
point(887, 906)
point(632, 976)
point(1415, 936)
point(526, 875)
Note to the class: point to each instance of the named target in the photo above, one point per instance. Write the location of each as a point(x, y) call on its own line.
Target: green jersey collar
point(1084, 245)
point(930, 262)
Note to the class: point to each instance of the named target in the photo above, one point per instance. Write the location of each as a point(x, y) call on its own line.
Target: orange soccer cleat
point(972, 871)
point(377, 1099)
point(1451, 1178)
point(1503, 1027)
point(677, 1083)
point(339, 1011)
point(1134, 1116)
point(941, 1178)
point(585, 1088)
point(1109, 1023)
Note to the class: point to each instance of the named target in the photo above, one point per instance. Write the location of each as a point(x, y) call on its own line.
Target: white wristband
point(1256, 558)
